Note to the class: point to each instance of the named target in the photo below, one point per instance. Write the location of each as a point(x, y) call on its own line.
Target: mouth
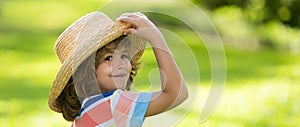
point(121, 75)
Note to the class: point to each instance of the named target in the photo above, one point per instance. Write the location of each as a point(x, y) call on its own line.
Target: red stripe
point(85, 121)
point(95, 116)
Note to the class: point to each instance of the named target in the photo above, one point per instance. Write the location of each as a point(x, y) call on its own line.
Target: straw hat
point(84, 37)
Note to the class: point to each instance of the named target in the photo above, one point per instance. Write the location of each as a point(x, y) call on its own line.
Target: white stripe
point(114, 99)
point(133, 104)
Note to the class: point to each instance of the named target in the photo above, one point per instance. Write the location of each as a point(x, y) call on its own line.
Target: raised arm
point(173, 90)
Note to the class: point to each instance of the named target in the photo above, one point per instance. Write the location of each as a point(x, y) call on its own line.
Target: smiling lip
point(118, 75)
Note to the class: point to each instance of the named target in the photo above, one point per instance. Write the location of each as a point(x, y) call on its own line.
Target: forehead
point(119, 43)
point(113, 47)
point(118, 50)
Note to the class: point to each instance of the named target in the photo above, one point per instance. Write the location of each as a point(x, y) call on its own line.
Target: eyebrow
point(122, 50)
point(112, 51)
point(125, 50)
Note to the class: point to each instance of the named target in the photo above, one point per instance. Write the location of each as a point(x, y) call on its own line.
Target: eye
point(124, 56)
point(108, 58)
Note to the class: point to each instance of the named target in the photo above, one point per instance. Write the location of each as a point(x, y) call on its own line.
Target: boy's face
point(113, 71)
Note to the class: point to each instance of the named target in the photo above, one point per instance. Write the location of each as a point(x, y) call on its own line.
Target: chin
point(121, 87)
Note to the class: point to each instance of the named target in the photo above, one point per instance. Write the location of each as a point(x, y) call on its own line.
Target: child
point(99, 61)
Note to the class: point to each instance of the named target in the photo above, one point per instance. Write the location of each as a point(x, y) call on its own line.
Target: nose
point(119, 64)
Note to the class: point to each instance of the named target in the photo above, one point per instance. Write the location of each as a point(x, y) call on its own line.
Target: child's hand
point(137, 23)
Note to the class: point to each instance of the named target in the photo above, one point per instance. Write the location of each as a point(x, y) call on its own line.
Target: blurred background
point(261, 40)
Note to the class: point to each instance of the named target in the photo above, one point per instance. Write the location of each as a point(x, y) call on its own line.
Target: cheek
point(103, 69)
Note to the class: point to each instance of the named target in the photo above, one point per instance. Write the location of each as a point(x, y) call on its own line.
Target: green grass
point(261, 87)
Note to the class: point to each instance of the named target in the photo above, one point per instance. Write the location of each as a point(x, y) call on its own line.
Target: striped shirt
point(113, 109)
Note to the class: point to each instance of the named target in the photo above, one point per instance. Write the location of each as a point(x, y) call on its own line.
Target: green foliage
point(285, 11)
point(254, 23)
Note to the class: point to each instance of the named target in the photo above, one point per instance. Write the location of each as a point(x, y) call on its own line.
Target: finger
point(129, 25)
point(130, 31)
point(127, 20)
point(125, 14)
point(130, 15)
point(126, 24)
point(139, 13)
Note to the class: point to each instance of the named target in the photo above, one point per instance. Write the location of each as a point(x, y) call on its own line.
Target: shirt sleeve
point(129, 108)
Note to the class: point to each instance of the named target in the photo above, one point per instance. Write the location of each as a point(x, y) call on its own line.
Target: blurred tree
point(285, 11)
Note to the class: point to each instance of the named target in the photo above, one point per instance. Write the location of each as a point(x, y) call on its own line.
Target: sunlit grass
point(27, 113)
point(271, 102)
